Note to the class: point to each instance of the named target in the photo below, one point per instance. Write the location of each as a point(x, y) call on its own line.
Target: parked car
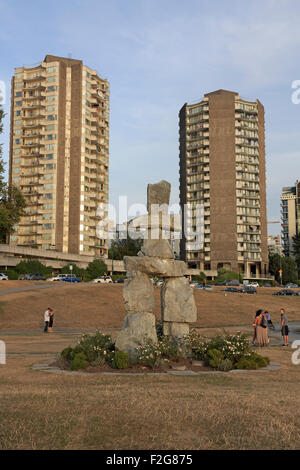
point(194, 284)
point(204, 287)
point(103, 280)
point(231, 289)
point(267, 285)
point(71, 278)
point(253, 284)
point(57, 277)
point(286, 292)
point(121, 280)
point(292, 286)
point(3, 277)
point(34, 277)
point(232, 283)
point(248, 290)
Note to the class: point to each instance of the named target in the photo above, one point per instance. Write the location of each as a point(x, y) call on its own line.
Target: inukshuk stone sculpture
point(156, 259)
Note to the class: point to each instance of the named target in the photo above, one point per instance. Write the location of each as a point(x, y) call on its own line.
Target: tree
point(287, 265)
point(296, 251)
point(125, 247)
point(12, 202)
point(95, 269)
point(227, 275)
point(33, 266)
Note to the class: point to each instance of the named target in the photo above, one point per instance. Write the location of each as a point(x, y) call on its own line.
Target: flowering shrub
point(154, 354)
point(95, 349)
point(196, 345)
point(224, 352)
point(233, 347)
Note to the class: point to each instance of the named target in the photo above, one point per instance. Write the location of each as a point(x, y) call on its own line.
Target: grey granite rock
point(138, 294)
point(177, 301)
point(136, 328)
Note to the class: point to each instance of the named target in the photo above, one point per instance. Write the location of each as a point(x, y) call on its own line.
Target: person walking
point(284, 328)
point(51, 316)
point(46, 320)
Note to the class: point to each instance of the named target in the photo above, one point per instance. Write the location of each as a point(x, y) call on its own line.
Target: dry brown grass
point(101, 306)
point(39, 410)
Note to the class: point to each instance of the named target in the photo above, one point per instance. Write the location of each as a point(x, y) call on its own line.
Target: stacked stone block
point(177, 301)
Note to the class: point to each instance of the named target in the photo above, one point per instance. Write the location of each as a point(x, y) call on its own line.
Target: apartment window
point(18, 113)
point(17, 141)
point(51, 98)
point(51, 69)
point(51, 79)
point(18, 103)
point(48, 196)
point(19, 75)
point(52, 88)
point(18, 94)
point(49, 156)
point(52, 117)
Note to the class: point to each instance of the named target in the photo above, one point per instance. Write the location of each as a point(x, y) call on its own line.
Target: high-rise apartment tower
point(290, 214)
point(59, 154)
point(222, 169)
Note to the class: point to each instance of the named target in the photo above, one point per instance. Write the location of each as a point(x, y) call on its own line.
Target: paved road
point(294, 333)
point(43, 286)
point(55, 332)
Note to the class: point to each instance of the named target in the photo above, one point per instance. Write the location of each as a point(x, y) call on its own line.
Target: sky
point(158, 55)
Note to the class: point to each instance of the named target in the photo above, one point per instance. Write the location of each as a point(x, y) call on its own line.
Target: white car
point(254, 284)
point(58, 277)
point(3, 277)
point(103, 280)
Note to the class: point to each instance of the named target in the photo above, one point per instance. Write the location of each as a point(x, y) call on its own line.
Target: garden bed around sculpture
point(195, 353)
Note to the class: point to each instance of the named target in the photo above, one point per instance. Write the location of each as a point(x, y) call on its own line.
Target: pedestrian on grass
point(261, 330)
point(284, 327)
point(254, 324)
point(46, 320)
point(51, 316)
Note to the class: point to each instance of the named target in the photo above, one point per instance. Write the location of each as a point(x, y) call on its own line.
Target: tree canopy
point(12, 202)
point(125, 247)
point(287, 265)
point(296, 251)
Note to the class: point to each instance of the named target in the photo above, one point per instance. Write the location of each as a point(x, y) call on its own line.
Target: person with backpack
point(262, 339)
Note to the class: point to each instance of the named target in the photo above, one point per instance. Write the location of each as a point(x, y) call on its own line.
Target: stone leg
point(175, 329)
point(136, 327)
point(178, 307)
